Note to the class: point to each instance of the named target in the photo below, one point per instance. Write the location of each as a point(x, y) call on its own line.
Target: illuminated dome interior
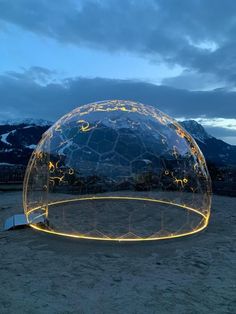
point(117, 170)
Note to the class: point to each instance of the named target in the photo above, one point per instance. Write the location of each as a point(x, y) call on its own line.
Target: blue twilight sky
point(177, 55)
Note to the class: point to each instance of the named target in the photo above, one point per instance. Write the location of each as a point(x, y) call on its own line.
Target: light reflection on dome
point(117, 170)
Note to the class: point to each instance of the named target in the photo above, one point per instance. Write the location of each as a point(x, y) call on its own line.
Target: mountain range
point(215, 151)
point(18, 138)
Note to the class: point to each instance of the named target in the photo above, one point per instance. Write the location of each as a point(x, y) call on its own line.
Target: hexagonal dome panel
point(117, 170)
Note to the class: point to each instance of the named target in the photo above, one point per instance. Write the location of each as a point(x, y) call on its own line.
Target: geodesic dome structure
point(117, 170)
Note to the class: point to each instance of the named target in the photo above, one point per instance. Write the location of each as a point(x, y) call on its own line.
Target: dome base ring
point(201, 226)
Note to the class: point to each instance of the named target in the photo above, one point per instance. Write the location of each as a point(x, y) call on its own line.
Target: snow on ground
point(32, 146)
point(40, 273)
point(6, 164)
point(5, 136)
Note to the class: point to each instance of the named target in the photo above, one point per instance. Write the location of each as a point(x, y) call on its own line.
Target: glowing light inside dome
point(117, 170)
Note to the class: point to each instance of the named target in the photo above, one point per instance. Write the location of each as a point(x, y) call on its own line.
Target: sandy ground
point(41, 273)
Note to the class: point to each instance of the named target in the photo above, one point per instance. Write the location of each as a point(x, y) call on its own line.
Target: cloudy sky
point(177, 55)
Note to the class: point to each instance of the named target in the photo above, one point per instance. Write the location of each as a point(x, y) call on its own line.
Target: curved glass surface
point(117, 170)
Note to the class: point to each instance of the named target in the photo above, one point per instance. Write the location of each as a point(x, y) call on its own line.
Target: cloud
point(198, 35)
point(225, 134)
point(192, 80)
point(23, 94)
point(228, 124)
point(36, 74)
point(220, 127)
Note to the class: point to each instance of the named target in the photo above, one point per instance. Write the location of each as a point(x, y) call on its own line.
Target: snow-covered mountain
point(18, 138)
point(214, 150)
point(196, 130)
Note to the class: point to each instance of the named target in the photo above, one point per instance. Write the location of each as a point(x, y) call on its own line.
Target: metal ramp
point(19, 221)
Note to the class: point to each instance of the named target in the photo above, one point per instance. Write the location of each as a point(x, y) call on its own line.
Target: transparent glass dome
point(117, 170)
